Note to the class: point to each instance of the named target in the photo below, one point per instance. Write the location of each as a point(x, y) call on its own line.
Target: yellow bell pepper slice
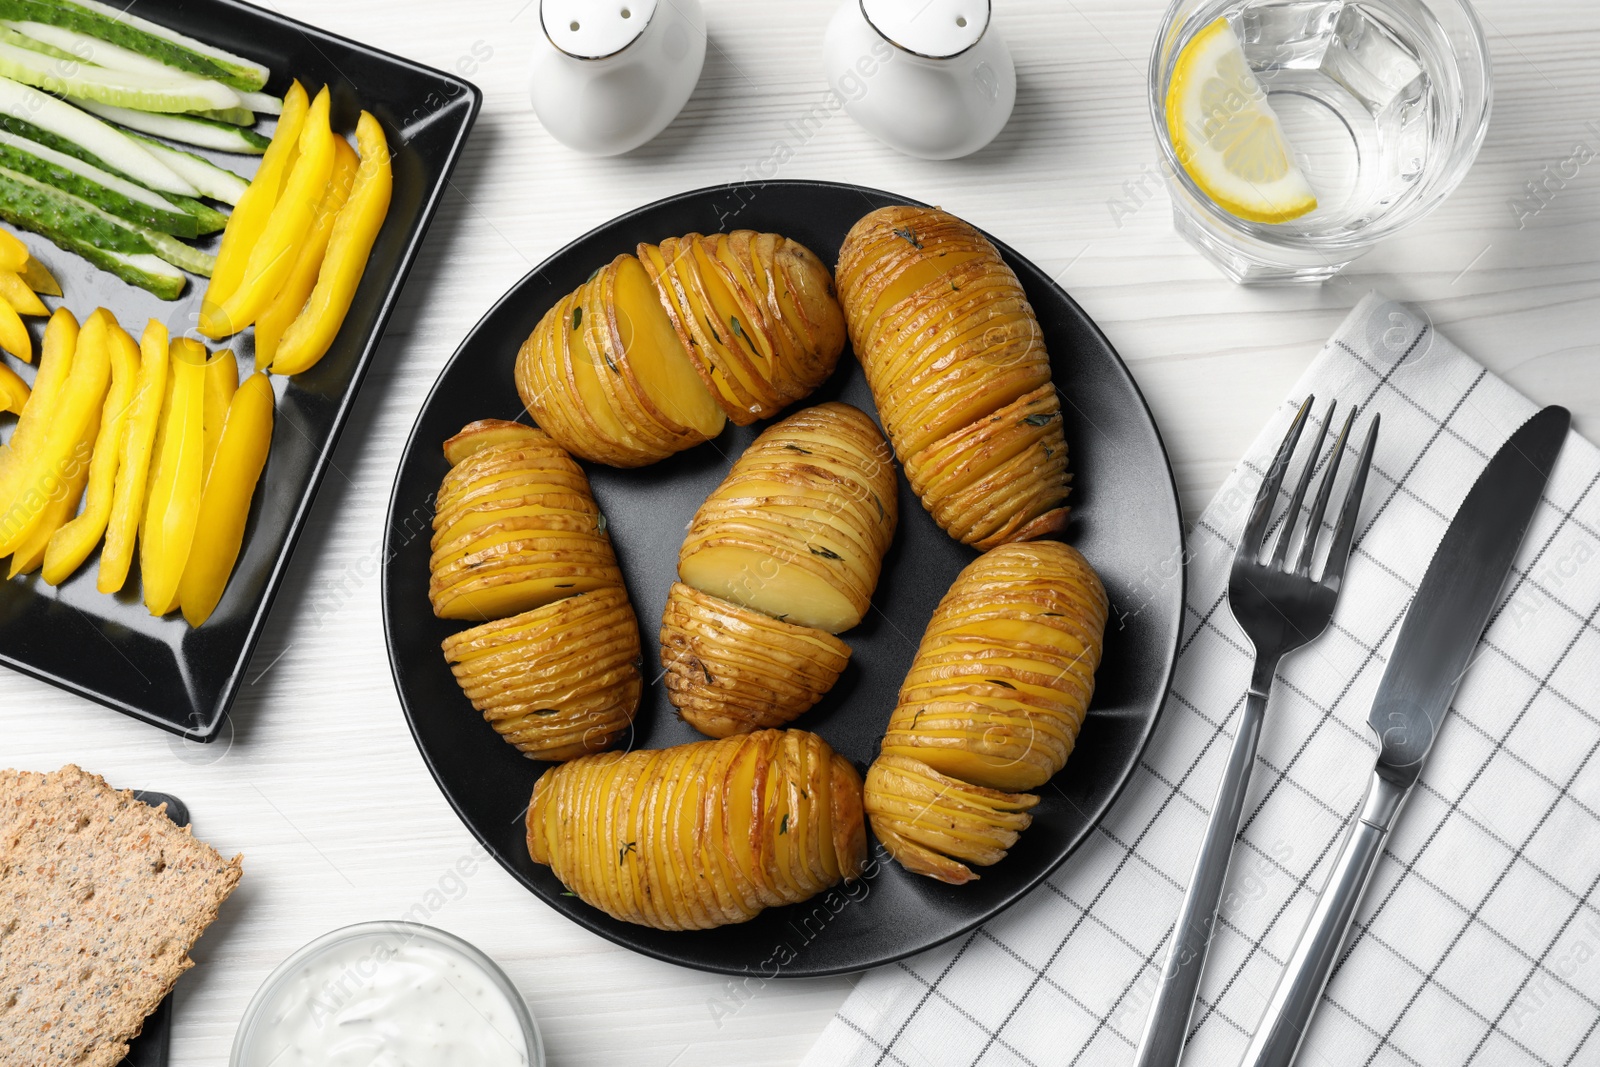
point(13, 253)
point(274, 252)
point(15, 291)
point(71, 544)
point(174, 501)
point(222, 380)
point(133, 466)
point(60, 345)
point(13, 334)
point(296, 290)
point(62, 502)
point(254, 209)
point(44, 468)
point(38, 278)
point(14, 392)
point(225, 505)
point(354, 231)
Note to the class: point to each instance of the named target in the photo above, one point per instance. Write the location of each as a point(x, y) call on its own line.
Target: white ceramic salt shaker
point(931, 78)
point(609, 75)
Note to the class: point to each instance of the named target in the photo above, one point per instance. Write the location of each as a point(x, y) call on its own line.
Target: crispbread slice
point(101, 898)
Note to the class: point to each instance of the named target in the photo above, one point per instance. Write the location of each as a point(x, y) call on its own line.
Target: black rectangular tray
point(108, 648)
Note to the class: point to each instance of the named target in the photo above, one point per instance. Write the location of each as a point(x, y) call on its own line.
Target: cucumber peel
point(180, 255)
point(233, 116)
point(207, 219)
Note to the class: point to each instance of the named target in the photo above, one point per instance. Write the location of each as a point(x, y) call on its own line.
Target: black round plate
point(1125, 518)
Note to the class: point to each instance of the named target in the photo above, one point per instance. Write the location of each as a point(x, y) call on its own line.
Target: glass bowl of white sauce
point(387, 994)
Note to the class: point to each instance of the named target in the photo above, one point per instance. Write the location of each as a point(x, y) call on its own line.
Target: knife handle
point(1167, 1025)
point(1299, 991)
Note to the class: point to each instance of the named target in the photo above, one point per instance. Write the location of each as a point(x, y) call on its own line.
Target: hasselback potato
point(732, 670)
point(959, 372)
point(799, 526)
point(651, 354)
point(558, 682)
point(515, 526)
point(994, 699)
point(703, 834)
point(519, 542)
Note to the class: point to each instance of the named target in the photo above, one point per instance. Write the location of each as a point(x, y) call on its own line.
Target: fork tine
point(1255, 530)
point(1344, 534)
point(1291, 518)
point(1308, 546)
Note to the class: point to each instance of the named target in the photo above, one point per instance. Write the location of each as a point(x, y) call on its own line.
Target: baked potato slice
point(452, 525)
point(646, 377)
point(486, 433)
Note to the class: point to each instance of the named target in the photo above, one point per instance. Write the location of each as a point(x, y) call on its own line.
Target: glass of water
point(1380, 106)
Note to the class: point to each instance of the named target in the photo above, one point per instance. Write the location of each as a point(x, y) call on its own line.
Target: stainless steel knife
point(1434, 649)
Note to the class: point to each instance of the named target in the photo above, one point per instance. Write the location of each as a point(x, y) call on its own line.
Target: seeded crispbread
point(101, 898)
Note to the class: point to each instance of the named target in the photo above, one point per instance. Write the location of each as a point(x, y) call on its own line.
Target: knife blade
point(1432, 652)
point(1458, 594)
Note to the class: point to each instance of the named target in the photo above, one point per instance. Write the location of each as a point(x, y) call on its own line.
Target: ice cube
point(1368, 59)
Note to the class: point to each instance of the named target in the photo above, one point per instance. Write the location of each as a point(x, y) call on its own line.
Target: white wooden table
point(317, 781)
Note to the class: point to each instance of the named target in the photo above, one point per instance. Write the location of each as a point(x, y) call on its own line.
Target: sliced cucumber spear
point(219, 183)
point(84, 81)
point(103, 189)
point(142, 36)
point(189, 129)
point(147, 271)
point(68, 44)
point(65, 128)
point(108, 242)
point(12, 33)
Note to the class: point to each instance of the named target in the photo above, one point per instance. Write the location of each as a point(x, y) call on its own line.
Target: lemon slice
point(1225, 134)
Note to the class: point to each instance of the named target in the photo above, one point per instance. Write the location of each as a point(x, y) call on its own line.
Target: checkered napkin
point(1479, 939)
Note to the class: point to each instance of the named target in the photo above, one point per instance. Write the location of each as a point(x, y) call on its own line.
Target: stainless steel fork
point(1280, 607)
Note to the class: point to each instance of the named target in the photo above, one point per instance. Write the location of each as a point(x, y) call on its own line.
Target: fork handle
point(1166, 1028)
point(1283, 1027)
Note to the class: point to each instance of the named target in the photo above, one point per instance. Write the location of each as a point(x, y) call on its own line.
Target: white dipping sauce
point(386, 999)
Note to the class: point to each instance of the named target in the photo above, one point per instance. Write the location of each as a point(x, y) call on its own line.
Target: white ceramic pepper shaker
point(931, 78)
point(608, 75)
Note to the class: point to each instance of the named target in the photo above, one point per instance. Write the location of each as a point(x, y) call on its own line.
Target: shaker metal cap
point(934, 28)
point(594, 29)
